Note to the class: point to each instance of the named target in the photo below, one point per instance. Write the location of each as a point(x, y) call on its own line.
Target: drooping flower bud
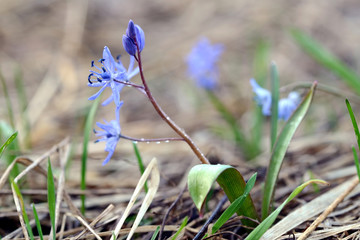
point(134, 35)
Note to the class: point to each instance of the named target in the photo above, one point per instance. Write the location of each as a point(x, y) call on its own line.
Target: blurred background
point(52, 43)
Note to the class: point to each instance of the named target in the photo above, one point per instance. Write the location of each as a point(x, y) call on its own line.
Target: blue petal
point(109, 62)
point(96, 95)
point(129, 45)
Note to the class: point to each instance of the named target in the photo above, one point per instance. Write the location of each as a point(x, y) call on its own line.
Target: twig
point(211, 218)
point(151, 139)
point(169, 210)
point(327, 211)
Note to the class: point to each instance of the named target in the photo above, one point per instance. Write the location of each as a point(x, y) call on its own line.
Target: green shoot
point(8, 142)
point(183, 224)
point(235, 205)
point(155, 233)
point(274, 103)
point(51, 197)
point(279, 150)
point(140, 163)
point(88, 129)
point(37, 221)
point(22, 205)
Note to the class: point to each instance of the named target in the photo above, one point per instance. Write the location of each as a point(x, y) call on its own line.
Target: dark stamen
point(103, 69)
point(101, 60)
point(118, 57)
point(99, 80)
point(92, 63)
point(89, 77)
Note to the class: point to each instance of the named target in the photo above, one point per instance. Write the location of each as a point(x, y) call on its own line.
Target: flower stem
point(166, 118)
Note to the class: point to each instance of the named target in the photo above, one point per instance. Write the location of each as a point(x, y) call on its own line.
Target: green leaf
point(183, 224)
point(37, 221)
point(7, 143)
point(23, 211)
point(155, 233)
point(274, 103)
point(201, 178)
point(327, 59)
point(357, 134)
point(6, 131)
point(87, 130)
point(226, 215)
point(140, 163)
point(280, 147)
point(51, 197)
point(266, 224)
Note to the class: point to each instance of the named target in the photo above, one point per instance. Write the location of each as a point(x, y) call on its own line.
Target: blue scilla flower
point(134, 33)
point(202, 63)
point(110, 71)
point(262, 97)
point(288, 105)
point(110, 134)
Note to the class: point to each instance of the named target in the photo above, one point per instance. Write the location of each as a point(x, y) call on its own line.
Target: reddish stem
point(165, 117)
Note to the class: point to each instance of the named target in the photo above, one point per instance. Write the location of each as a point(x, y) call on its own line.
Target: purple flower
point(202, 62)
point(262, 97)
point(134, 34)
point(110, 134)
point(288, 105)
point(110, 71)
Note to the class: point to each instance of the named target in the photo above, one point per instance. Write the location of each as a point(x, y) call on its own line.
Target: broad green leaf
point(16, 188)
point(357, 134)
point(202, 177)
point(7, 143)
point(183, 224)
point(274, 103)
point(37, 221)
point(280, 147)
point(327, 59)
point(266, 223)
point(226, 215)
point(51, 197)
point(87, 130)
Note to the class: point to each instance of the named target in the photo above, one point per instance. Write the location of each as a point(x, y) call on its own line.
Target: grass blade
point(201, 178)
point(183, 224)
point(23, 211)
point(87, 130)
point(37, 221)
point(226, 215)
point(8, 142)
point(6, 131)
point(51, 198)
point(266, 224)
point(327, 59)
point(155, 233)
point(279, 150)
point(274, 103)
point(357, 134)
point(140, 163)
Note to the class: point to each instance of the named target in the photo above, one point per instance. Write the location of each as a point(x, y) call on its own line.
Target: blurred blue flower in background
point(202, 62)
point(133, 33)
point(262, 97)
point(286, 105)
point(111, 70)
point(110, 134)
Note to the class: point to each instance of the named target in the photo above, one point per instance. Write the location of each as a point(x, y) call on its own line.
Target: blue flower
point(202, 62)
point(288, 105)
point(262, 97)
point(110, 134)
point(110, 71)
point(134, 33)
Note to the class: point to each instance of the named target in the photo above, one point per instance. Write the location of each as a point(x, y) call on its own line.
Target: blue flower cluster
point(114, 75)
point(286, 105)
point(202, 63)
